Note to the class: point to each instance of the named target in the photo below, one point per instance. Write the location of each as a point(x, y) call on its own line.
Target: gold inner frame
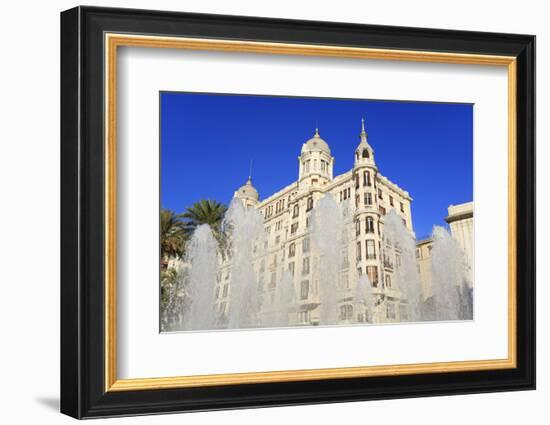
point(113, 41)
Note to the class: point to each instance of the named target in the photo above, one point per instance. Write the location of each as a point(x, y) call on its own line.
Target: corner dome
point(316, 144)
point(248, 191)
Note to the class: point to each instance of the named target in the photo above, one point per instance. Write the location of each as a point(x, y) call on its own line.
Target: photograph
point(279, 211)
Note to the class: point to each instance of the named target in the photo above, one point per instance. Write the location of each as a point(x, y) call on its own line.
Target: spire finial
point(316, 127)
point(362, 124)
point(250, 171)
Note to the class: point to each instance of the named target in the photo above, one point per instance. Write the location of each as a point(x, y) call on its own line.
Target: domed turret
point(248, 194)
point(316, 144)
point(315, 161)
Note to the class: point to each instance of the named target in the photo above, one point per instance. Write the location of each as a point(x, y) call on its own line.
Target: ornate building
point(365, 196)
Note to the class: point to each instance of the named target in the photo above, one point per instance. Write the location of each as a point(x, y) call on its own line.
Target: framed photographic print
point(261, 212)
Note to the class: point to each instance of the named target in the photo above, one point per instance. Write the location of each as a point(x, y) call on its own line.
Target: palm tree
point(205, 211)
point(172, 236)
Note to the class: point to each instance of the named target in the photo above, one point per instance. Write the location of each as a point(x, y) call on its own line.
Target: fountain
point(245, 229)
point(406, 275)
point(452, 298)
point(202, 256)
point(326, 234)
point(244, 245)
point(364, 299)
point(285, 296)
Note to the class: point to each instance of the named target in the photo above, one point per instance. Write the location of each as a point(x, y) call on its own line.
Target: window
point(401, 207)
point(357, 198)
point(388, 280)
point(372, 272)
point(403, 314)
point(368, 198)
point(346, 312)
point(307, 222)
point(370, 225)
point(262, 265)
point(277, 240)
point(349, 192)
point(356, 181)
point(225, 290)
point(366, 178)
point(391, 200)
point(305, 265)
point(217, 292)
point(273, 280)
point(303, 317)
point(366, 153)
point(418, 255)
point(261, 283)
point(371, 250)
point(291, 268)
point(309, 204)
point(358, 251)
point(293, 228)
point(345, 281)
point(296, 211)
point(304, 289)
point(274, 263)
point(382, 211)
point(345, 259)
point(380, 195)
point(305, 245)
point(390, 310)
point(291, 250)
point(404, 222)
point(315, 164)
point(323, 165)
point(359, 271)
point(397, 260)
point(357, 227)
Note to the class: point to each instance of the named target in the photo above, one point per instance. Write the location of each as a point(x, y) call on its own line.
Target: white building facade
point(366, 196)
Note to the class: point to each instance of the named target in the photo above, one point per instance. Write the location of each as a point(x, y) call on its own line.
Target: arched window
point(366, 178)
point(296, 211)
point(366, 153)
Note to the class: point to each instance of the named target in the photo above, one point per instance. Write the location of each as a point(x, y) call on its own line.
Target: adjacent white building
point(461, 224)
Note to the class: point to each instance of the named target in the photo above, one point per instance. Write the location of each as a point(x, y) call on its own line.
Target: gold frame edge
point(113, 41)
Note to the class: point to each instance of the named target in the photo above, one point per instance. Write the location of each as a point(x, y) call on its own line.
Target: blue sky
point(208, 140)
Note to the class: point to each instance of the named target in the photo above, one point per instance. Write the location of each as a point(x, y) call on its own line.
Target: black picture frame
point(83, 392)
